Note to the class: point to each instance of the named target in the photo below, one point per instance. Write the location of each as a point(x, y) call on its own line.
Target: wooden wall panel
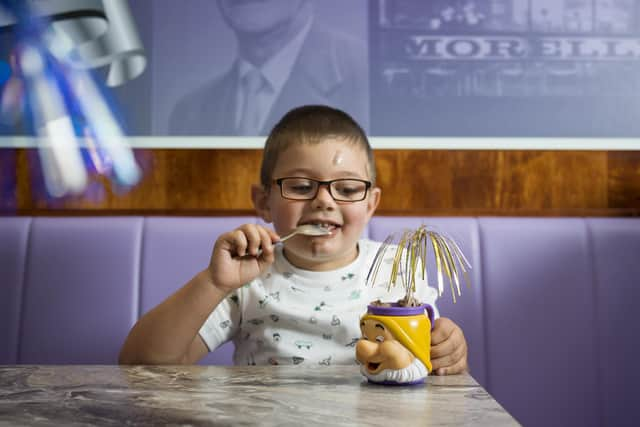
point(8, 184)
point(414, 182)
point(624, 180)
point(495, 182)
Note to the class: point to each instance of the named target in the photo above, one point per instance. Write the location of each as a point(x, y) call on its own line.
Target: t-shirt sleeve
point(222, 323)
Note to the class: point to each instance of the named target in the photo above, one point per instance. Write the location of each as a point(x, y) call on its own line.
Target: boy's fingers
point(275, 237)
point(443, 361)
point(453, 341)
point(239, 242)
point(250, 239)
point(457, 368)
point(255, 240)
point(266, 243)
point(442, 329)
point(442, 349)
point(451, 364)
point(450, 356)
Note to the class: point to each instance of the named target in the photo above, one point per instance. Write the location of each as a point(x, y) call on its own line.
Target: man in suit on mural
point(284, 59)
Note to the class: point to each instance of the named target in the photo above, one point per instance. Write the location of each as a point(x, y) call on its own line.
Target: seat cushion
point(81, 289)
point(14, 235)
point(616, 268)
point(539, 319)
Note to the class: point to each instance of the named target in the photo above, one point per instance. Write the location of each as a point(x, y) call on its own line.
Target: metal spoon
point(307, 230)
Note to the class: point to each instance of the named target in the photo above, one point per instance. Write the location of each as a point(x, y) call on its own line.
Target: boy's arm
point(168, 334)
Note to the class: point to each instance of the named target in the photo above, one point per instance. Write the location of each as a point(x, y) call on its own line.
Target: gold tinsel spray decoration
point(410, 258)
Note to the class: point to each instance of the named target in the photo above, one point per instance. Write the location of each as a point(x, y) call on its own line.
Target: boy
point(298, 302)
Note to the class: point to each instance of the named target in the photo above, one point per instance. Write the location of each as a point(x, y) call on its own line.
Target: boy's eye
point(349, 188)
point(298, 186)
point(301, 188)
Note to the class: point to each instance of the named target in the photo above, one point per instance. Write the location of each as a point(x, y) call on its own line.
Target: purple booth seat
point(550, 316)
point(539, 318)
point(14, 235)
point(174, 250)
point(81, 289)
point(615, 245)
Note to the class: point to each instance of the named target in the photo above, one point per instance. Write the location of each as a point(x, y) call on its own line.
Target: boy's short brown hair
point(312, 124)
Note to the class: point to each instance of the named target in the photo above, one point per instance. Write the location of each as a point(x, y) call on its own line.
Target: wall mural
point(403, 68)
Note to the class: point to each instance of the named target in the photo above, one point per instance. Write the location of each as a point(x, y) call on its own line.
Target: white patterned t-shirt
point(293, 316)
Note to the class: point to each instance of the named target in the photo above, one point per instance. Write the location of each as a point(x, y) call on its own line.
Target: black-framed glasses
point(342, 190)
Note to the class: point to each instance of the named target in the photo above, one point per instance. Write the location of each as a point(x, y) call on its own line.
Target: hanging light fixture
point(66, 107)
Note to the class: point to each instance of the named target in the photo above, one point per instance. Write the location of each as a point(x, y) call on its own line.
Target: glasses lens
point(348, 190)
point(299, 188)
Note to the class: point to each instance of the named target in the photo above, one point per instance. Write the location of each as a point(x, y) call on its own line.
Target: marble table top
point(228, 395)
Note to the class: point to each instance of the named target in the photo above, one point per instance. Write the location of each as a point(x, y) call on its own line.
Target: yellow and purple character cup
point(395, 345)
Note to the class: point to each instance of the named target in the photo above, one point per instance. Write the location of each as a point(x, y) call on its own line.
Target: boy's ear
point(261, 202)
point(372, 201)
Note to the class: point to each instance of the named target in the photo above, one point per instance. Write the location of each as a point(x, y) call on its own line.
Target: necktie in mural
point(252, 83)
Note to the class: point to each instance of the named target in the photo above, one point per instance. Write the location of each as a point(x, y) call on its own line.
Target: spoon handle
point(282, 239)
point(288, 236)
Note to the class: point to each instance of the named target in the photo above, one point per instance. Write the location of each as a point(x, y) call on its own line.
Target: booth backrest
point(550, 316)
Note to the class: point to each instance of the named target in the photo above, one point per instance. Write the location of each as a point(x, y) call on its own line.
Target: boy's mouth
point(328, 225)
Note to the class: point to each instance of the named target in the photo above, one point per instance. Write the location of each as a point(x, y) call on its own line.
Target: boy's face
point(331, 159)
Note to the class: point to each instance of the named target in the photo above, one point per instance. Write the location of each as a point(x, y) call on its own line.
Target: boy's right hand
point(239, 256)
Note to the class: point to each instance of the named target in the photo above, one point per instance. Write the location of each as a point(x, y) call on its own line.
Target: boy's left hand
point(448, 348)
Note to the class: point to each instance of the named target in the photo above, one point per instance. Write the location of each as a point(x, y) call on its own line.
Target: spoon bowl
point(307, 230)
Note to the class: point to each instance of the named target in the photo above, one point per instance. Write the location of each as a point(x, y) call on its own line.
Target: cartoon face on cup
point(395, 344)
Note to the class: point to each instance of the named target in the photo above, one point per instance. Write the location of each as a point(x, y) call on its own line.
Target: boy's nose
point(323, 196)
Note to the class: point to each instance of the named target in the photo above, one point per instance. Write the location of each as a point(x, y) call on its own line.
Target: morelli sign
point(423, 47)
